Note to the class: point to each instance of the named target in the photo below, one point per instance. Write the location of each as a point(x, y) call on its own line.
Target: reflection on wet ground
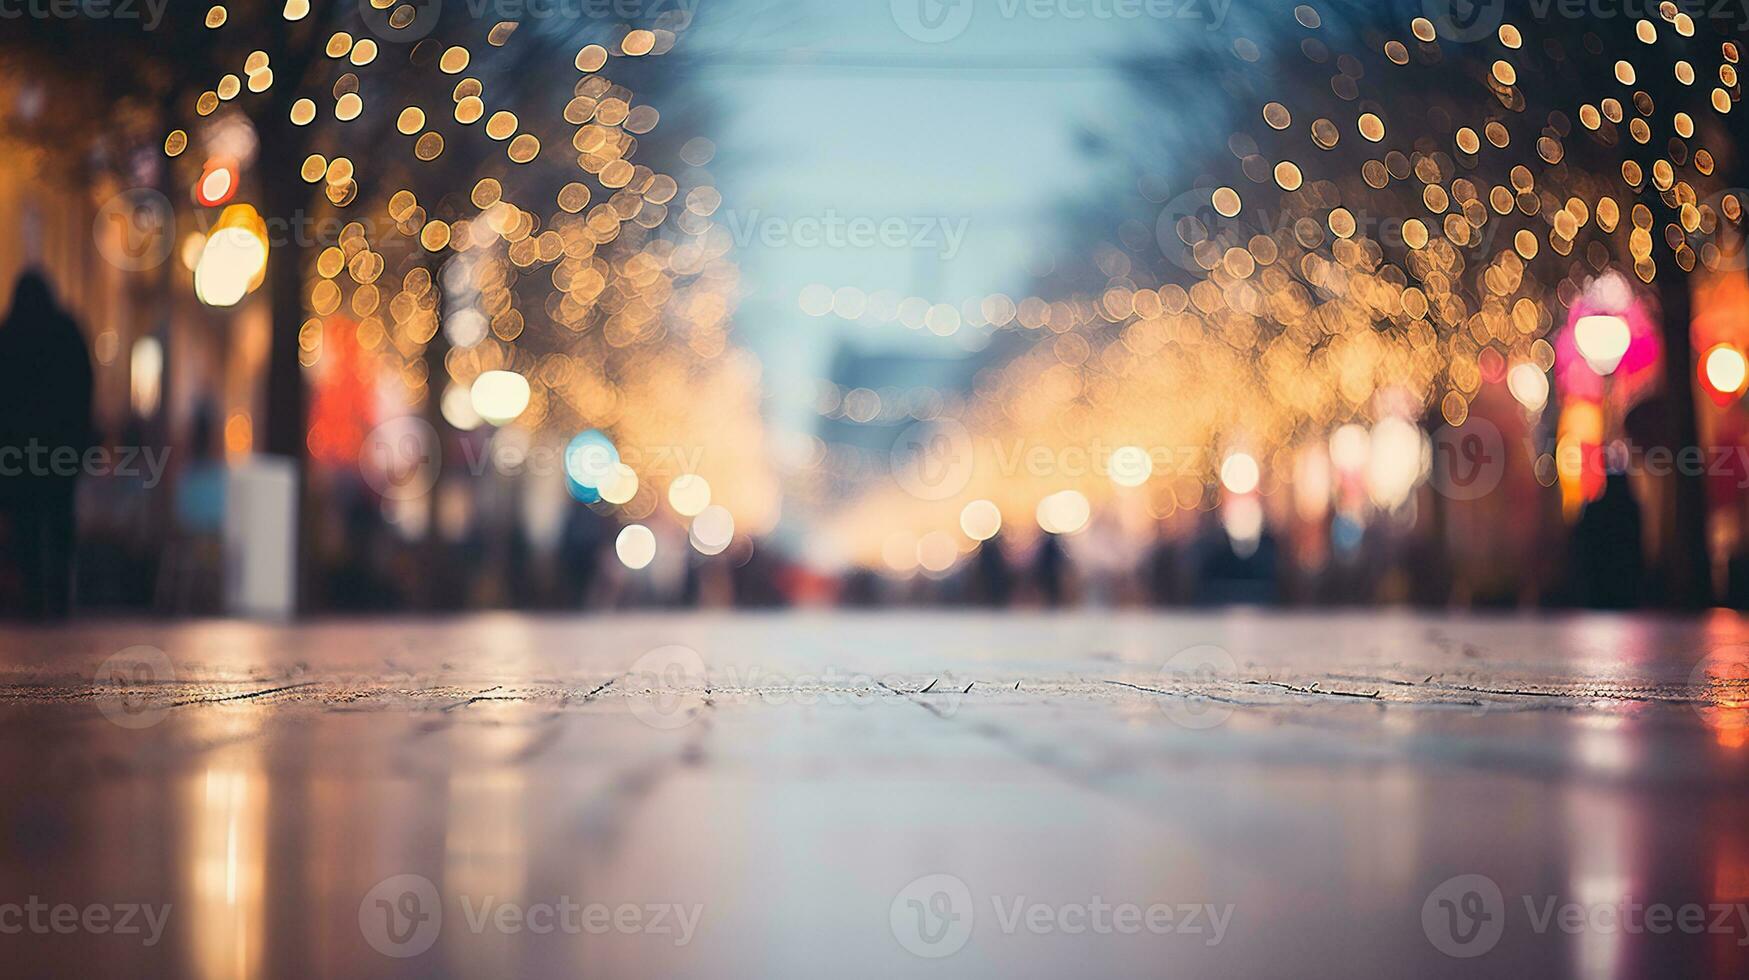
point(900, 795)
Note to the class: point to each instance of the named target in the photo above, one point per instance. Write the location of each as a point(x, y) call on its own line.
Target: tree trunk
point(1684, 558)
point(1685, 564)
point(285, 406)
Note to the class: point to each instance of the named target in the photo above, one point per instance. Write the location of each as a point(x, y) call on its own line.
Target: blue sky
point(832, 109)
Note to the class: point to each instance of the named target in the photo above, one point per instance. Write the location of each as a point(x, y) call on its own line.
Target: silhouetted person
point(1607, 550)
point(1737, 581)
point(1050, 569)
point(1164, 573)
point(992, 582)
point(45, 430)
point(580, 552)
point(1228, 574)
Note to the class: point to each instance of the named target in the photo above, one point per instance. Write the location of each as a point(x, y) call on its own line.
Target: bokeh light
point(980, 520)
point(635, 546)
point(712, 530)
point(1064, 512)
point(1240, 473)
point(500, 396)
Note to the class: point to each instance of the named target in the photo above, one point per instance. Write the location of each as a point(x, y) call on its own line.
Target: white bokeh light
point(500, 396)
point(1240, 474)
point(635, 546)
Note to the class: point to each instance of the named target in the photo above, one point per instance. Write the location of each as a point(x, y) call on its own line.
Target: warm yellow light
point(1395, 462)
point(216, 185)
point(1064, 513)
point(712, 530)
point(1350, 446)
point(1726, 369)
point(1240, 474)
point(1130, 466)
point(458, 408)
point(1529, 385)
point(500, 396)
point(233, 260)
point(936, 552)
point(636, 546)
point(192, 248)
point(980, 520)
point(619, 486)
point(1602, 340)
point(689, 495)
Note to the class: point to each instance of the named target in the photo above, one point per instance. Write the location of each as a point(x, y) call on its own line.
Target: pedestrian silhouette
point(1608, 558)
point(1050, 569)
point(45, 430)
point(992, 579)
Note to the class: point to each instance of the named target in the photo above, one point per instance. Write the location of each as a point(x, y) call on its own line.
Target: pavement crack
point(1185, 694)
point(1313, 690)
point(244, 696)
point(482, 696)
point(604, 685)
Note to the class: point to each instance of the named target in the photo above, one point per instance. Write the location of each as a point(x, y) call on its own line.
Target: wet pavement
point(902, 794)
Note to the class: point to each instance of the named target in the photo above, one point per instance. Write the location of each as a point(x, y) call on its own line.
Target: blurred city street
point(898, 488)
point(722, 795)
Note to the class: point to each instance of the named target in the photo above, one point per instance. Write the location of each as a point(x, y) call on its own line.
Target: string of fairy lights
point(1310, 331)
point(1295, 319)
point(598, 317)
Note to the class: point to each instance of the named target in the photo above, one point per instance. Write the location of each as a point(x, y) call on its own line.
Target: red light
point(217, 183)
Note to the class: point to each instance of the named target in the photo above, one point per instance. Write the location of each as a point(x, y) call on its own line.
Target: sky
point(966, 137)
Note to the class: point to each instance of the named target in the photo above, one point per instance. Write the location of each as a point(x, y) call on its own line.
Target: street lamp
point(1602, 339)
point(1726, 369)
point(500, 396)
point(233, 259)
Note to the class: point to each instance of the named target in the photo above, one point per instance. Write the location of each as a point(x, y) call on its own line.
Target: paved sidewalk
point(899, 794)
